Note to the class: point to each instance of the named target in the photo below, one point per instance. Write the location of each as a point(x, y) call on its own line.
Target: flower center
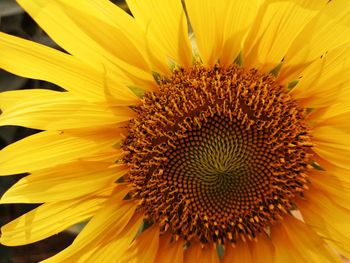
point(217, 154)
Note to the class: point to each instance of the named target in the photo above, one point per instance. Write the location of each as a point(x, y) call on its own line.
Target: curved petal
point(327, 218)
point(144, 248)
point(206, 18)
point(115, 249)
point(51, 110)
point(119, 49)
point(50, 148)
point(165, 22)
point(60, 183)
point(111, 14)
point(31, 60)
point(197, 253)
point(342, 173)
point(263, 250)
point(277, 24)
point(122, 20)
point(325, 80)
point(52, 218)
point(336, 115)
point(220, 27)
point(87, 35)
point(106, 227)
point(332, 144)
point(240, 253)
point(192, 253)
point(259, 251)
point(326, 31)
point(295, 242)
point(168, 251)
point(334, 184)
point(238, 16)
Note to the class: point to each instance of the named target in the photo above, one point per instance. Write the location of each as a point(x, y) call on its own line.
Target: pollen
point(217, 155)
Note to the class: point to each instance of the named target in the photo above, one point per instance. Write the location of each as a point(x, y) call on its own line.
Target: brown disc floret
point(217, 154)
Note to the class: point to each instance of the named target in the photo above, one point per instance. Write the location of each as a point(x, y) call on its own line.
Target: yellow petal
point(117, 213)
point(115, 249)
point(335, 185)
point(121, 21)
point(195, 253)
point(295, 242)
point(335, 155)
point(263, 250)
point(240, 253)
point(87, 35)
point(206, 18)
point(331, 136)
point(112, 39)
point(52, 218)
point(105, 227)
point(277, 24)
point(326, 31)
point(340, 173)
point(31, 60)
point(104, 156)
point(260, 251)
point(165, 22)
point(51, 110)
point(332, 144)
point(192, 253)
point(327, 218)
point(238, 16)
point(144, 248)
point(209, 254)
point(60, 182)
point(118, 49)
point(324, 80)
point(111, 13)
point(50, 148)
point(335, 116)
point(168, 251)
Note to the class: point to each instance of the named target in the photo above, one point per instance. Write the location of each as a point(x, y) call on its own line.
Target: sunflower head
point(228, 143)
point(225, 149)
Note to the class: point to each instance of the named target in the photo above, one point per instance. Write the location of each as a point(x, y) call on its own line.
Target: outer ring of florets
point(200, 187)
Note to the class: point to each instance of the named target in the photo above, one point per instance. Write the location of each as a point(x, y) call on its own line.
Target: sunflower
point(226, 144)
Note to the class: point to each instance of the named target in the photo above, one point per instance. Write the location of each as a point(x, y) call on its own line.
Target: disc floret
point(217, 154)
